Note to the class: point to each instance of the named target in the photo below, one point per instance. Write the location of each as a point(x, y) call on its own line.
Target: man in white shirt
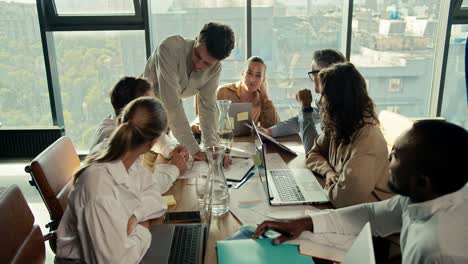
point(181, 68)
point(428, 170)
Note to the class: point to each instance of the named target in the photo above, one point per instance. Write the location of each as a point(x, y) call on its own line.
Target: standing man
point(181, 68)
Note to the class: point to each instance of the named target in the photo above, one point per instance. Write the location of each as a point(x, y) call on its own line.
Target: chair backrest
point(52, 173)
point(392, 125)
point(22, 241)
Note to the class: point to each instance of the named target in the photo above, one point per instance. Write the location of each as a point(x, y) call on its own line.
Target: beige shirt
point(169, 71)
point(263, 110)
point(360, 168)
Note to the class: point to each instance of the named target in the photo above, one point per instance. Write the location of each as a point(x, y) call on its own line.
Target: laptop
point(290, 186)
point(272, 140)
point(179, 243)
point(241, 113)
point(362, 250)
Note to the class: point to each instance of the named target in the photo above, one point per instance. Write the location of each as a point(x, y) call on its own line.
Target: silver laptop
point(179, 243)
point(241, 113)
point(272, 140)
point(290, 186)
point(362, 250)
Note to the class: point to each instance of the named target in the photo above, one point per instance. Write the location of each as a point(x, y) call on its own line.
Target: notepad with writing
point(258, 251)
point(238, 169)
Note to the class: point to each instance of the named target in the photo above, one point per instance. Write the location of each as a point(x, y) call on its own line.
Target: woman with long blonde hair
point(114, 196)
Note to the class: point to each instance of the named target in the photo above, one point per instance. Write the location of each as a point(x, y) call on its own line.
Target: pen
point(244, 180)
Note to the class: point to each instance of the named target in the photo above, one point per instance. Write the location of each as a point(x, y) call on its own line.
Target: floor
point(12, 172)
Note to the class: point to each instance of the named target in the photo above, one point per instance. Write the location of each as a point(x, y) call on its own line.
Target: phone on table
point(182, 217)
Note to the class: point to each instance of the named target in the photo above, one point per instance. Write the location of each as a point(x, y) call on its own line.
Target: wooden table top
point(226, 225)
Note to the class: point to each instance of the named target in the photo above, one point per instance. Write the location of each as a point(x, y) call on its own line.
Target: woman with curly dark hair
point(351, 152)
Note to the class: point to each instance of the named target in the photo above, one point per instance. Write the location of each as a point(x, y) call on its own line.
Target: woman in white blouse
point(114, 197)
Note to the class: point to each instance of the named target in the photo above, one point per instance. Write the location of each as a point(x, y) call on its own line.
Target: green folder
point(259, 251)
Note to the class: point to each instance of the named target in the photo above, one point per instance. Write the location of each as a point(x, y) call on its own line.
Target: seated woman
point(351, 152)
point(253, 88)
point(114, 196)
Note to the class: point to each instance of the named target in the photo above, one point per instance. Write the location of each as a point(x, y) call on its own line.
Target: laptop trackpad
point(160, 248)
point(311, 186)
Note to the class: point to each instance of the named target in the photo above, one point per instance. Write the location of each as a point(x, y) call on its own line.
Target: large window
point(24, 98)
point(186, 18)
point(94, 7)
point(395, 40)
point(285, 34)
point(89, 64)
point(454, 104)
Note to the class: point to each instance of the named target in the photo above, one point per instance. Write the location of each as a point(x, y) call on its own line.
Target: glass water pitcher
point(225, 124)
point(217, 191)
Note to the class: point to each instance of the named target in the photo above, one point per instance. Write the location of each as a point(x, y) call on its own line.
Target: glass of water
point(200, 188)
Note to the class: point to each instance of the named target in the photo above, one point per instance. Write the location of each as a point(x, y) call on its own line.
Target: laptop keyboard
point(287, 187)
point(185, 244)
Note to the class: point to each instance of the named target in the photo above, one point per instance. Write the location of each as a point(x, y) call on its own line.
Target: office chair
point(52, 174)
point(22, 240)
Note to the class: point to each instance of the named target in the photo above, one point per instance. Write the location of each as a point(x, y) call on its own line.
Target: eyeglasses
point(312, 74)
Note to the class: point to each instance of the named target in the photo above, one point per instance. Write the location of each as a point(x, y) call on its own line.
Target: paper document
point(243, 150)
point(238, 169)
point(249, 205)
point(325, 246)
point(194, 168)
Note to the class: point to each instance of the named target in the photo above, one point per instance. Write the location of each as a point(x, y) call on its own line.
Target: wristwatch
point(307, 109)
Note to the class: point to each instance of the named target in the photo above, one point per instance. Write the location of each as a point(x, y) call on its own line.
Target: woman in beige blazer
point(351, 152)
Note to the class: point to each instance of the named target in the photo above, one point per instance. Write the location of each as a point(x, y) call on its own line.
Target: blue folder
point(259, 251)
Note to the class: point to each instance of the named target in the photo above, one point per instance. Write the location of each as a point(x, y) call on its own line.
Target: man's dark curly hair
point(346, 106)
point(218, 38)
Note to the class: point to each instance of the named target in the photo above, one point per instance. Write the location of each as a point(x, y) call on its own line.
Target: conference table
point(224, 226)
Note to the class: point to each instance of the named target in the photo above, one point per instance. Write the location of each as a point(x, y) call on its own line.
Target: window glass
point(286, 33)
point(89, 64)
point(455, 98)
point(393, 45)
point(186, 18)
point(24, 99)
point(94, 7)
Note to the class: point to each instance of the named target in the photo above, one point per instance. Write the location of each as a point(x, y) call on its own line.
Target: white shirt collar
point(424, 210)
point(118, 171)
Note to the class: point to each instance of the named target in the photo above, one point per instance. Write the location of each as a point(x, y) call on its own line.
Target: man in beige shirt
point(181, 68)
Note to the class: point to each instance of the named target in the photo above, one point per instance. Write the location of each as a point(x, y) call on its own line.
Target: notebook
point(258, 251)
point(362, 250)
point(240, 113)
point(238, 169)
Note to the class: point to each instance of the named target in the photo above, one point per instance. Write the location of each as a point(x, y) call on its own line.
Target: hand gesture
point(304, 97)
point(288, 230)
point(180, 149)
point(227, 161)
point(264, 130)
point(179, 161)
point(199, 156)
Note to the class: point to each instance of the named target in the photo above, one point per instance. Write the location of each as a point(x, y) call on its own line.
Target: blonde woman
point(253, 88)
point(114, 196)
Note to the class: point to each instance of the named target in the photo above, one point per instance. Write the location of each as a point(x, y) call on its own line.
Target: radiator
point(26, 142)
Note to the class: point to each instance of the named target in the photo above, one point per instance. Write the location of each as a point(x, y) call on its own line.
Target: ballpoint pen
point(244, 180)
